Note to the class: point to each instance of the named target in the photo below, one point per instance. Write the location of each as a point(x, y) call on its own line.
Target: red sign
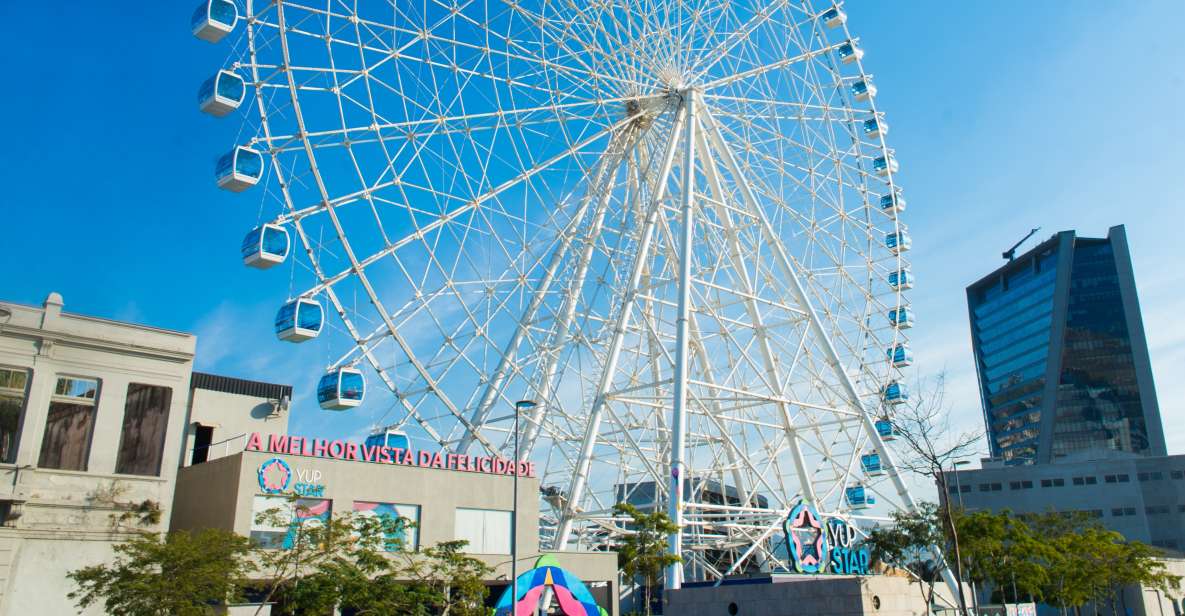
point(376, 454)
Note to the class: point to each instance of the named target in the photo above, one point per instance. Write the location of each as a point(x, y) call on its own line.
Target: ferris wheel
point(673, 226)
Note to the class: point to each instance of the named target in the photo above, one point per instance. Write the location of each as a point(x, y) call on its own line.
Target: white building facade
point(91, 415)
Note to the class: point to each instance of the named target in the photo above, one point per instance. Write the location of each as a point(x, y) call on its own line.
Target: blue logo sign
point(847, 558)
point(274, 476)
point(819, 545)
point(806, 539)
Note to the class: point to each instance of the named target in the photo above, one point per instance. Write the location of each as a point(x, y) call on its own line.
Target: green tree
point(642, 552)
point(340, 561)
point(930, 448)
point(1087, 563)
point(908, 544)
point(455, 581)
point(180, 574)
point(1002, 549)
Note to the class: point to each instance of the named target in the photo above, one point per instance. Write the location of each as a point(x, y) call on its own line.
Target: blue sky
point(1005, 116)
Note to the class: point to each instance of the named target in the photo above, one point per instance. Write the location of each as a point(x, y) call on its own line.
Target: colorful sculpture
point(571, 594)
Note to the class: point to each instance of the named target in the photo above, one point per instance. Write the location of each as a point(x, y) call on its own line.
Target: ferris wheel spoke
point(445, 218)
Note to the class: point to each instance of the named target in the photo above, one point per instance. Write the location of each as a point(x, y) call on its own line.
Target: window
point(1177, 474)
point(1092, 480)
point(1142, 476)
point(13, 386)
point(1080, 481)
point(965, 489)
point(1129, 511)
point(70, 424)
point(399, 535)
point(1109, 478)
point(1046, 483)
point(985, 487)
point(1124, 478)
point(275, 519)
point(1117, 512)
point(486, 530)
point(1013, 485)
point(1028, 485)
point(997, 487)
point(145, 421)
point(1059, 482)
point(203, 436)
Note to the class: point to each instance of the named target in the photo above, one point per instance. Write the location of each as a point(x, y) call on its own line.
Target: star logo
point(805, 539)
point(274, 476)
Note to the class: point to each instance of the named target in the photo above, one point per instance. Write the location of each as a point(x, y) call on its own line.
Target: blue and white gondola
point(875, 127)
point(266, 246)
point(901, 279)
point(884, 165)
point(341, 389)
point(900, 355)
point(898, 241)
point(299, 320)
point(214, 19)
point(849, 52)
point(862, 90)
point(833, 17)
point(222, 93)
point(895, 393)
point(871, 464)
point(902, 317)
point(239, 169)
point(892, 203)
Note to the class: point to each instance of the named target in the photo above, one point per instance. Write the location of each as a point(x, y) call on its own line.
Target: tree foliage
point(908, 544)
point(343, 561)
point(1064, 560)
point(179, 574)
point(643, 551)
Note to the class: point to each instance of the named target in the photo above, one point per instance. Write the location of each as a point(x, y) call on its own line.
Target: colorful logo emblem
point(274, 476)
point(806, 539)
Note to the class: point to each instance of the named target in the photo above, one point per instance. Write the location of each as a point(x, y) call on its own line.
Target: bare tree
point(931, 448)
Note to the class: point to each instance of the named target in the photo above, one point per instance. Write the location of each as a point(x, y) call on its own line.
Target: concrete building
point(447, 497)
point(1069, 403)
point(1142, 498)
point(106, 431)
point(1060, 353)
point(792, 595)
point(91, 416)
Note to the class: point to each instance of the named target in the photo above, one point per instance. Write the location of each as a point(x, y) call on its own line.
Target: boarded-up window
point(487, 531)
point(70, 424)
point(13, 384)
point(145, 421)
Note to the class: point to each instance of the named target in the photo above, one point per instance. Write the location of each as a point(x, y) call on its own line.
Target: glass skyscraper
point(1060, 352)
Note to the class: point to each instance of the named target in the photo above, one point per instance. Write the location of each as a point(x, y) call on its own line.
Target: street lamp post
point(959, 491)
point(520, 407)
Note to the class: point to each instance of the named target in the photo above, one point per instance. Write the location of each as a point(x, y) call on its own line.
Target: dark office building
point(1060, 352)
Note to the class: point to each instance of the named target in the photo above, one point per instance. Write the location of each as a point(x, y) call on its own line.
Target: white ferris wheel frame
point(728, 195)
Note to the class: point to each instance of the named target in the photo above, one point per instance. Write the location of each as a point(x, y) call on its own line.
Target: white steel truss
point(661, 220)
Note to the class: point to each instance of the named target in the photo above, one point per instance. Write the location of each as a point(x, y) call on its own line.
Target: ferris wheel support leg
point(772, 376)
point(580, 477)
point(674, 576)
point(608, 164)
point(560, 335)
point(789, 271)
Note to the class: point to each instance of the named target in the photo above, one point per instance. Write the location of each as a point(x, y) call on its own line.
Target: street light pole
point(959, 491)
point(520, 407)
